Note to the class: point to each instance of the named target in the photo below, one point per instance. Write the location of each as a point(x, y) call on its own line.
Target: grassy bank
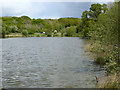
point(106, 55)
point(102, 54)
point(112, 81)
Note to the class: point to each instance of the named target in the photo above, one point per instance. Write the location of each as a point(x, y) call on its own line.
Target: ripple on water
point(47, 62)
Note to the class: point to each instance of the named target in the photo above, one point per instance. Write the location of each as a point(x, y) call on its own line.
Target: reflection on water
point(47, 62)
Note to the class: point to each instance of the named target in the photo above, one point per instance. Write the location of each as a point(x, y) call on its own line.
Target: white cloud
point(26, 7)
point(14, 6)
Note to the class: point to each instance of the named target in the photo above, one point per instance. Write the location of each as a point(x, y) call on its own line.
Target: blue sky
point(39, 9)
point(58, 9)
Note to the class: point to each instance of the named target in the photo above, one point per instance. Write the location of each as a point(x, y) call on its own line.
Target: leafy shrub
point(71, 31)
point(25, 33)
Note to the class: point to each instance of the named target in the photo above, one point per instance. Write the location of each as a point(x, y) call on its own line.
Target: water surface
point(40, 62)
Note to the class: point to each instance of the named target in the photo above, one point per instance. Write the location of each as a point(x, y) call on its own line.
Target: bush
point(25, 33)
point(112, 81)
point(71, 31)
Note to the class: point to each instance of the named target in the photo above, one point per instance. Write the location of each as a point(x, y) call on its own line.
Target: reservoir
point(47, 62)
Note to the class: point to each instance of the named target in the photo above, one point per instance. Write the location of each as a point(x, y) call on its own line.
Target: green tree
point(3, 32)
point(104, 8)
point(89, 18)
point(48, 32)
point(105, 36)
point(25, 17)
point(95, 11)
point(85, 16)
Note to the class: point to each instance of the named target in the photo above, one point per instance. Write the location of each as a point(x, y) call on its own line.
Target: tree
point(105, 36)
point(38, 21)
point(48, 32)
point(85, 16)
point(104, 8)
point(95, 10)
point(89, 18)
point(25, 18)
point(3, 32)
point(67, 22)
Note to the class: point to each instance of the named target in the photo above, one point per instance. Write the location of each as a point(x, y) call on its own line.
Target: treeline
point(101, 25)
point(27, 26)
point(104, 35)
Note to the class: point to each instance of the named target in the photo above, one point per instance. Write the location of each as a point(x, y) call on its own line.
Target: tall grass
point(112, 81)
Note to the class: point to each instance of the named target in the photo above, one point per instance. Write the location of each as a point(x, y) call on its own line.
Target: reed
point(112, 81)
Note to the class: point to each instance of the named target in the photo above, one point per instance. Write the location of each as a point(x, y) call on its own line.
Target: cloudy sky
point(46, 9)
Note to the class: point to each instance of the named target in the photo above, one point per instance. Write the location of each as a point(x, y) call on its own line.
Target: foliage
point(71, 31)
point(48, 32)
point(95, 10)
point(112, 81)
point(19, 24)
point(104, 35)
point(25, 33)
point(25, 17)
point(0, 28)
point(63, 32)
point(67, 22)
point(89, 18)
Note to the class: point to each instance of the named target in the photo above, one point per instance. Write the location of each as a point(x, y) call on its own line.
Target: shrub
point(71, 31)
point(25, 33)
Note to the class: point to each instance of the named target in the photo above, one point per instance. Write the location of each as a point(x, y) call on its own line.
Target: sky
point(46, 9)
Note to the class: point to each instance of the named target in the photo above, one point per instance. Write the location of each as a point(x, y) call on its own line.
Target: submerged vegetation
point(100, 24)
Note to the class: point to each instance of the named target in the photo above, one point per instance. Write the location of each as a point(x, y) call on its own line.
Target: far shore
point(19, 35)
